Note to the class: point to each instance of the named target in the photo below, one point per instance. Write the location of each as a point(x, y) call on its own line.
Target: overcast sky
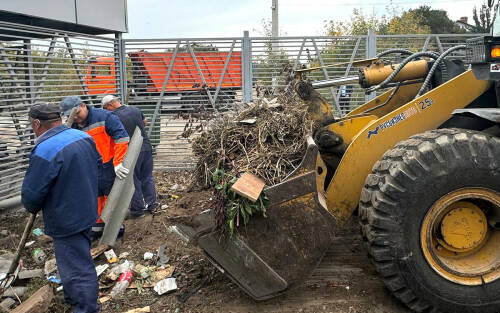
point(229, 18)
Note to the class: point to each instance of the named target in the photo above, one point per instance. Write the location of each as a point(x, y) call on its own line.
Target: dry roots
point(271, 148)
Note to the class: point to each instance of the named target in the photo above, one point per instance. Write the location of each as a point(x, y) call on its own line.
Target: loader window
point(495, 29)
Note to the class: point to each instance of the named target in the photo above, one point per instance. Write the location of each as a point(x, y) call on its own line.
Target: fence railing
point(177, 83)
point(191, 77)
point(42, 65)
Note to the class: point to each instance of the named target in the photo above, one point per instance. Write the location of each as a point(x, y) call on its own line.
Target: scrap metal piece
point(119, 198)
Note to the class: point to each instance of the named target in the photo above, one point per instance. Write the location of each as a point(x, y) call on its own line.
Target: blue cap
point(69, 103)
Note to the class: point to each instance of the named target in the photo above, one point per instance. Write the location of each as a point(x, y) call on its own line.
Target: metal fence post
point(121, 64)
point(29, 65)
point(371, 52)
point(246, 67)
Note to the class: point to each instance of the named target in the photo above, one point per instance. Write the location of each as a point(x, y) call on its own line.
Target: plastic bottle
point(123, 282)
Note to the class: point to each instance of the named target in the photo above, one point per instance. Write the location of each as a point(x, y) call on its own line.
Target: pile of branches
point(268, 139)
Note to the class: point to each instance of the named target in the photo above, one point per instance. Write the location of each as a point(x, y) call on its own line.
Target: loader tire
point(404, 188)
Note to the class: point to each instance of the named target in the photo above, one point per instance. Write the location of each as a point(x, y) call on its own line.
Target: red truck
point(185, 89)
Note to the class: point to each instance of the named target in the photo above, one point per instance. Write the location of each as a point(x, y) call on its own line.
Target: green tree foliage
point(358, 24)
point(196, 46)
point(437, 20)
point(484, 19)
point(423, 20)
point(270, 60)
point(408, 22)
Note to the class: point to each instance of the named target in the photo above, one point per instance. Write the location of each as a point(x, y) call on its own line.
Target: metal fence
point(39, 64)
point(177, 83)
point(206, 68)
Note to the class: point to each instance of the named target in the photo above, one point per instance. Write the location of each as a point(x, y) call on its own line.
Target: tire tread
point(379, 213)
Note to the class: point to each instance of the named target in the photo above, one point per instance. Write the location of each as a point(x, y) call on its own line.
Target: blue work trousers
point(77, 271)
point(145, 191)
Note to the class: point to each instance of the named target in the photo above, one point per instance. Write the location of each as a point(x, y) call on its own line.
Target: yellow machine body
point(275, 253)
point(386, 126)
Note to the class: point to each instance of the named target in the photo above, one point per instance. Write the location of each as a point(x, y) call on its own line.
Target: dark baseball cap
point(45, 111)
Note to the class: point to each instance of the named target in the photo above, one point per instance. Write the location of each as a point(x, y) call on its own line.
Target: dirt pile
point(345, 282)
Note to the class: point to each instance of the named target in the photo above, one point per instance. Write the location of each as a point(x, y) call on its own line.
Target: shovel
point(9, 278)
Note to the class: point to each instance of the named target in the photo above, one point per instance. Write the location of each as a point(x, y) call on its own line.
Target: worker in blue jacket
point(62, 181)
point(111, 141)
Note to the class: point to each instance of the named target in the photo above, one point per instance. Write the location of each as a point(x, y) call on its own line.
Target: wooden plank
point(39, 302)
point(97, 251)
point(248, 186)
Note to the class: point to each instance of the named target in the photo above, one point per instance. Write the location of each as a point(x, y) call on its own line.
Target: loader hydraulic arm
point(378, 72)
point(320, 110)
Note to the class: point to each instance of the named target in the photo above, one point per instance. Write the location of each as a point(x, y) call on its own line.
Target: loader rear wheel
point(429, 214)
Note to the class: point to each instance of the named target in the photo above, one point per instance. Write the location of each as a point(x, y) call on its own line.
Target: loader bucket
point(274, 253)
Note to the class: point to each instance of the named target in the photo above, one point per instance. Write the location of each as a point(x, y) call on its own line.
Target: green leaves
point(217, 175)
point(237, 209)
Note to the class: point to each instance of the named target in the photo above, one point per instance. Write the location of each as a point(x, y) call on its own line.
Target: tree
point(484, 20)
point(358, 24)
point(273, 59)
point(437, 20)
point(409, 22)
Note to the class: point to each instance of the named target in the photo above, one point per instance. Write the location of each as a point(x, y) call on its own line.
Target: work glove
point(121, 171)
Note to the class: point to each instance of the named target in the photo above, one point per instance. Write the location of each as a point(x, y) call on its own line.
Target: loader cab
point(100, 78)
point(483, 53)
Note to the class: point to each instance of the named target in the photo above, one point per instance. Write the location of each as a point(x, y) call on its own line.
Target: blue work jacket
point(62, 180)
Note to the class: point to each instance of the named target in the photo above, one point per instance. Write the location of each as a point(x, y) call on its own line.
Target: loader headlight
point(483, 50)
point(495, 52)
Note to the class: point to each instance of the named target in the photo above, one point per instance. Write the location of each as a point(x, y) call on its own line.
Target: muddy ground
point(345, 281)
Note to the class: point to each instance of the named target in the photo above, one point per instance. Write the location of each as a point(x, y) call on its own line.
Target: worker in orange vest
point(111, 141)
point(144, 198)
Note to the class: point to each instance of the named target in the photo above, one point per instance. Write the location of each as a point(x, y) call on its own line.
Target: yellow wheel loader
point(420, 164)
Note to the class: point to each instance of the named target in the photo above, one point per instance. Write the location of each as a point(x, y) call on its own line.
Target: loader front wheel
point(430, 213)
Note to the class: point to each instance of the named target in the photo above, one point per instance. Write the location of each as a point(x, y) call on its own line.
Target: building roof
point(93, 17)
point(464, 25)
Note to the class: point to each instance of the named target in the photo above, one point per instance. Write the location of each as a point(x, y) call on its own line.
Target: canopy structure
point(93, 17)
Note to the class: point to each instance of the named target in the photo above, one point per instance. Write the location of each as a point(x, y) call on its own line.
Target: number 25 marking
point(424, 104)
